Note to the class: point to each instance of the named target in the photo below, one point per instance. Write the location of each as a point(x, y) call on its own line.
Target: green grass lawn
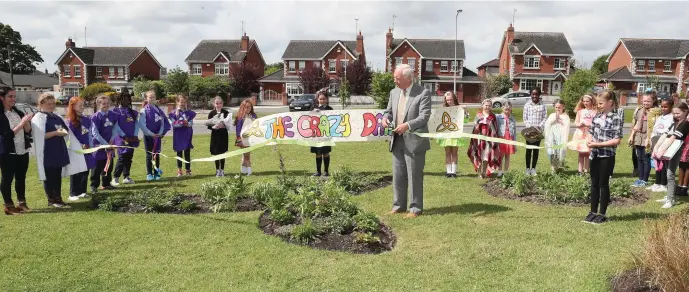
point(466, 241)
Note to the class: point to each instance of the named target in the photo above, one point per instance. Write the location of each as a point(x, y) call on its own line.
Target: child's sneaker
point(653, 188)
point(589, 218)
point(500, 173)
point(150, 177)
point(217, 173)
point(317, 174)
point(179, 173)
point(661, 189)
point(222, 173)
point(668, 204)
point(115, 182)
point(600, 219)
point(73, 198)
point(84, 196)
point(188, 173)
point(663, 200)
point(128, 181)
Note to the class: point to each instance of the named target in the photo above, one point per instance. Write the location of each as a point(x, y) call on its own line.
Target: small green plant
point(338, 222)
point(366, 238)
point(366, 222)
point(112, 203)
point(153, 200)
point(214, 191)
point(236, 186)
point(304, 232)
point(187, 206)
point(352, 181)
point(281, 216)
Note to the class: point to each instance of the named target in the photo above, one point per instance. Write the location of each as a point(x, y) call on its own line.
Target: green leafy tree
point(578, 84)
point(24, 57)
point(495, 85)
point(653, 82)
point(90, 92)
point(272, 68)
point(345, 93)
point(381, 85)
point(141, 85)
point(600, 65)
point(177, 82)
point(201, 89)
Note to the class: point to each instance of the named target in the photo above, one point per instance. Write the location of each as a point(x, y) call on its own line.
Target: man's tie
point(401, 105)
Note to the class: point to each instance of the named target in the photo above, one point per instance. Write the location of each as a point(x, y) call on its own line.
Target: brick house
point(535, 59)
point(489, 68)
point(330, 55)
point(433, 62)
point(116, 66)
point(219, 57)
point(632, 61)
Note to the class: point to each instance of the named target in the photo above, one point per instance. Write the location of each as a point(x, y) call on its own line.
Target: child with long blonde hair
point(244, 114)
point(182, 120)
point(103, 132)
point(451, 145)
point(585, 110)
point(507, 129)
point(153, 122)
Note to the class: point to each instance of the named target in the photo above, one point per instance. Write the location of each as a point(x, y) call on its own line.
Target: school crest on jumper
point(84, 130)
point(107, 123)
point(157, 118)
point(129, 119)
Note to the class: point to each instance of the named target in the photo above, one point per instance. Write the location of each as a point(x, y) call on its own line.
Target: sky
point(171, 30)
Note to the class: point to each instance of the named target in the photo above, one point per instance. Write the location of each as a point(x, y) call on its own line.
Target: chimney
point(69, 43)
point(245, 43)
point(510, 34)
point(388, 40)
point(46, 71)
point(360, 43)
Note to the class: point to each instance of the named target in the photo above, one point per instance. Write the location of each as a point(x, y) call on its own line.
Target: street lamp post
point(455, 65)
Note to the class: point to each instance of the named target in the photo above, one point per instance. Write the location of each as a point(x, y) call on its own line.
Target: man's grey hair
point(406, 70)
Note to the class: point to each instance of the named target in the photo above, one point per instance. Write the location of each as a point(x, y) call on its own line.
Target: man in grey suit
point(409, 108)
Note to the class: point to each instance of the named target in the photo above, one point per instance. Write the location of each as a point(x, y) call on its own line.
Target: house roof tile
point(305, 49)
point(34, 80)
point(434, 48)
point(623, 74)
point(206, 50)
point(492, 63)
point(656, 48)
point(549, 43)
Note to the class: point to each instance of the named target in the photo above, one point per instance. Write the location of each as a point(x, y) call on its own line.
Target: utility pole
point(455, 65)
point(242, 32)
point(85, 38)
point(356, 32)
point(513, 14)
point(393, 22)
point(9, 60)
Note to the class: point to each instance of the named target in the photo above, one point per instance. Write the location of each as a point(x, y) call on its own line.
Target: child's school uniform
point(219, 138)
point(153, 121)
point(322, 151)
point(317, 150)
point(127, 129)
point(182, 133)
point(53, 158)
point(507, 129)
point(238, 127)
point(78, 182)
point(103, 131)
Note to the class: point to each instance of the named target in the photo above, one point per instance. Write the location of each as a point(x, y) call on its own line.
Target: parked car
point(517, 98)
point(304, 102)
point(26, 108)
point(663, 95)
point(63, 99)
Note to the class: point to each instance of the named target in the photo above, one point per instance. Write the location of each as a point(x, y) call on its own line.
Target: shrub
point(351, 181)
point(236, 186)
point(366, 238)
point(223, 195)
point(381, 85)
point(187, 206)
point(213, 191)
point(112, 203)
point(518, 181)
point(263, 192)
point(666, 252)
point(281, 216)
point(304, 232)
point(154, 200)
point(366, 222)
point(90, 92)
point(338, 222)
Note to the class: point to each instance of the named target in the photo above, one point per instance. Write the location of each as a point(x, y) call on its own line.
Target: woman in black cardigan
point(15, 141)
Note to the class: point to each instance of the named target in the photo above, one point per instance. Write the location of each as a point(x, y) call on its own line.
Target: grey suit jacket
point(417, 114)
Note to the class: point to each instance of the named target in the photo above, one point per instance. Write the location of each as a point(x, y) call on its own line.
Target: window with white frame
point(528, 84)
point(302, 65)
point(640, 65)
point(454, 66)
point(532, 62)
point(332, 66)
point(292, 66)
point(398, 61)
point(443, 66)
point(559, 63)
point(77, 71)
point(294, 89)
point(120, 72)
point(222, 69)
point(641, 87)
point(429, 66)
point(412, 63)
point(99, 72)
point(344, 63)
point(65, 71)
point(196, 69)
point(317, 64)
point(668, 66)
point(651, 65)
point(70, 92)
point(111, 73)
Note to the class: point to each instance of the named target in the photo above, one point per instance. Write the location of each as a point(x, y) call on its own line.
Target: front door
point(665, 88)
point(556, 87)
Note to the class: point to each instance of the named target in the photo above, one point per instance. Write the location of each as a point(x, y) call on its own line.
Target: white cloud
point(172, 29)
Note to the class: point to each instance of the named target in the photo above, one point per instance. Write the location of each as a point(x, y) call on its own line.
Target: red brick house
point(433, 62)
point(218, 57)
point(116, 66)
point(489, 68)
point(535, 59)
point(330, 55)
point(633, 60)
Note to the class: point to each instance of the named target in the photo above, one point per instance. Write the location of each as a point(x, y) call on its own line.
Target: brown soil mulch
point(247, 205)
point(634, 280)
point(336, 242)
point(494, 189)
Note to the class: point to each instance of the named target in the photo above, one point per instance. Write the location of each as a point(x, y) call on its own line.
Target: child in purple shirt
point(182, 120)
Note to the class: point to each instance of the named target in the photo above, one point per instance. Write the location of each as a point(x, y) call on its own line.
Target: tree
point(24, 57)
point(272, 68)
point(202, 88)
point(358, 77)
point(494, 85)
point(381, 85)
point(344, 94)
point(177, 82)
point(141, 85)
point(243, 81)
point(313, 79)
point(578, 84)
point(652, 82)
point(600, 65)
point(90, 92)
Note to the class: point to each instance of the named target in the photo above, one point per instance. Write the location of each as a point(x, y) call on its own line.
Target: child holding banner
point(81, 128)
point(661, 124)
point(245, 114)
point(585, 113)
point(668, 150)
point(507, 128)
point(484, 154)
point(451, 145)
point(322, 153)
point(556, 134)
point(103, 123)
point(153, 122)
point(128, 135)
point(182, 120)
point(219, 136)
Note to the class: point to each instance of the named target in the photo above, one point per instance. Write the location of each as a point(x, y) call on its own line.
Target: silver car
point(517, 98)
